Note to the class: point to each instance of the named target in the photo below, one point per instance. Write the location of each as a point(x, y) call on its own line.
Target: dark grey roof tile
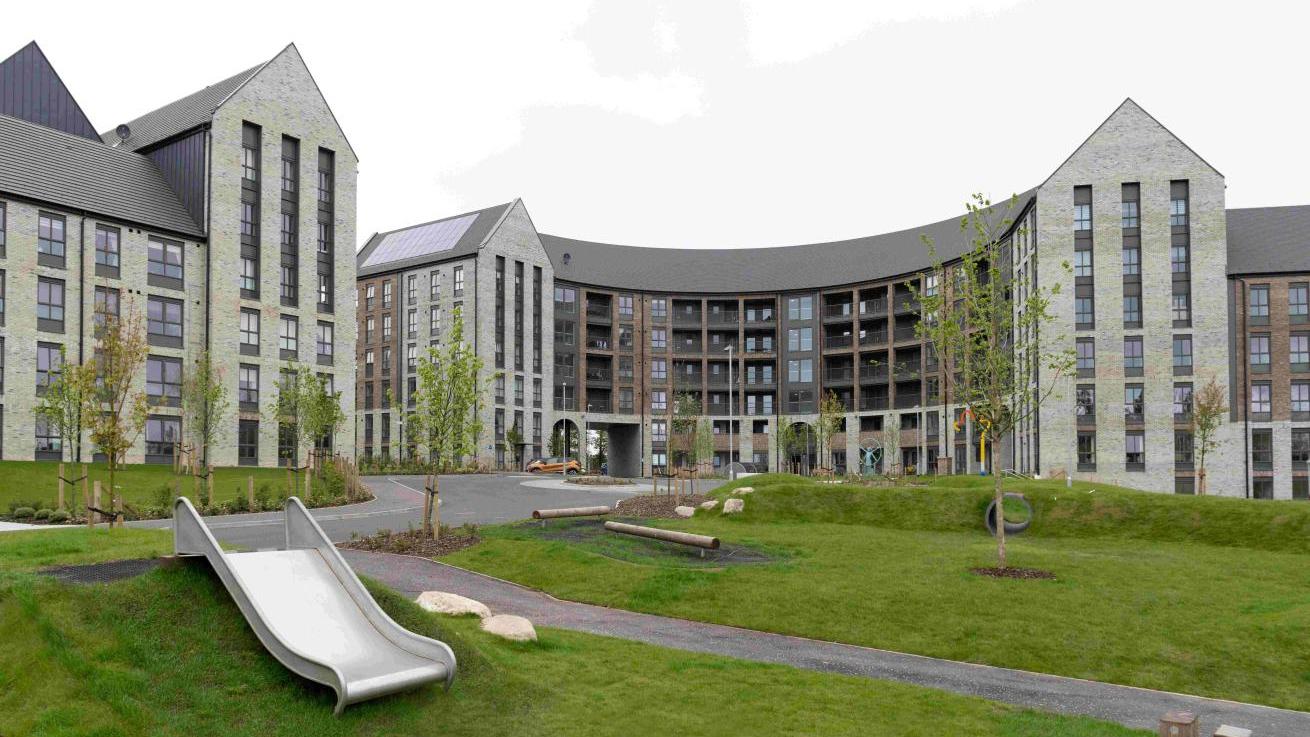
point(466, 246)
point(1269, 240)
point(181, 115)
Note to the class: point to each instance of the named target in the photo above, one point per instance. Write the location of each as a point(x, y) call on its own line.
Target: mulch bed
point(656, 507)
point(598, 481)
point(413, 542)
point(1021, 573)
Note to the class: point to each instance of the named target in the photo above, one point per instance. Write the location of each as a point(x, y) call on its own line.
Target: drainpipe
point(1246, 414)
point(208, 246)
point(81, 314)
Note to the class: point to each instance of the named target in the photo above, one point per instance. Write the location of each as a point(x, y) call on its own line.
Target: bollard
point(1179, 724)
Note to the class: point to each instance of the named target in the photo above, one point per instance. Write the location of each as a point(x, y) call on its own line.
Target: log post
point(94, 517)
point(61, 486)
point(427, 508)
point(209, 501)
point(250, 493)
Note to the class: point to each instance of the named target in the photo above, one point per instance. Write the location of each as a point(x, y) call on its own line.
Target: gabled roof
point(65, 170)
point(776, 269)
point(1269, 240)
point(194, 110)
point(473, 236)
point(32, 90)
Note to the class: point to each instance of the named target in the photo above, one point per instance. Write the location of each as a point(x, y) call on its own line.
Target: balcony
point(873, 337)
point(717, 409)
point(726, 317)
point(719, 379)
point(597, 343)
point(599, 313)
point(691, 380)
point(873, 307)
point(682, 317)
point(906, 370)
point(792, 408)
point(838, 311)
point(906, 304)
point(763, 381)
point(598, 405)
point(907, 401)
point(599, 375)
point(839, 374)
point(873, 372)
point(755, 346)
point(687, 347)
point(872, 404)
point(837, 341)
point(906, 334)
point(760, 317)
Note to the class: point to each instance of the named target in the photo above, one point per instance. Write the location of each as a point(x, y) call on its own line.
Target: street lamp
point(586, 441)
point(732, 390)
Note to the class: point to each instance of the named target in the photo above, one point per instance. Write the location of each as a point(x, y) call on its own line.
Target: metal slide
point(311, 612)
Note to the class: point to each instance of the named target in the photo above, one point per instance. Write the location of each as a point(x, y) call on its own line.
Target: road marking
point(404, 485)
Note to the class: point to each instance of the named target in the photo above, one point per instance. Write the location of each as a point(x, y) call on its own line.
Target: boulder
point(744, 490)
point(452, 604)
point(510, 627)
point(733, 506)
point(711, 504)
point(1230, 731)
point(684, 511)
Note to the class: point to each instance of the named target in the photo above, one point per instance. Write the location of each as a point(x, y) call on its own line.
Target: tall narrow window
point(1086, 357)
point(1260, 353)
point(1178, 211)
point(459, 281)
point(249, 332)
point(164, 322)
point(248, 386)
point(49, 365)
point(165, 259)
point(107, 254)
point(1182, 355)
point(164, 380)
point(288, 336)
point(50, 305)
point(1135, 451)
point(50, 238)
point(325, 342)
point(248, 442)
point(1261, 404)
point(1259, 304)
point(249, 277)
point(1298, 301)
point(1132, 260)
point(1134, 360)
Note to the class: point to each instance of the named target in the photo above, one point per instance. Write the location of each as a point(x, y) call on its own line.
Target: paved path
point(1133, 707)
point(20, 527)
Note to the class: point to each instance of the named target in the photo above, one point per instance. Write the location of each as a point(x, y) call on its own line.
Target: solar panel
point(421, 240)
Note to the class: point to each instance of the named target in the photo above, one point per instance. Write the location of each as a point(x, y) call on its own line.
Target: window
point(1182, 402)
point(1134, 403)
point(1132, 310)
point(290, 289)
point(370, 296)
point(1085, 403)
point(459, 281)
point(566, 333)
point(659, 369)
point(659, 308)
point(164, 321)
point(659, 400)
point(249, 275)
point(1300, 400)
point(658, 338)
point(434, 285)
point(411, 357)
point(1181, 303)
point(1086, 357)
point(369, 326)
point(800, 370)
point(250, 152)
point(1300, 448)
point(1082, 262)
point(1301, 487)
point(930, 285)
point(800, 308)
point(2, 297)
point(49, 444)
point(50, 304)
point(1084, 312)
point(386, 328)
point(165, 258)
point(434, 320)
point(411, 288)
point(3, 212)
point(107, 247)
point(288, 334)
point(1178, 211)
point(1133, 360)
point(248, 386)
point(1260, 354)
point(50, 236)
point(800, 339)
point(1262, 487)
point(386, 359)
point(411, 323)
point(625, 305)
point(1298, 351)
point(248, 442)
point(1182, 355)
point(164, 380)
point(290, 165)
point(326, 165)
point(1183, 449)
point(1135, 451)
point(324, 342)
point(49, 364)
point(1132, 260)
point(1262, 449)
point(386, 295)
point(1259, 303)
point(566, 298)
point(1128, 216)
point(659, 431)
point(325, 290)
point(1298, 300)
point(249, 332)
point(1082, 217)
point(1260, 402)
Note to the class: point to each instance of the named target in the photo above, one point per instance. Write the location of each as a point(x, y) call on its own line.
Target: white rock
point(510, 627)
point(744, 490)
point(733, 506)
point(684, 511)
point(711, 504)
point(453, 604)
point(1229, 731)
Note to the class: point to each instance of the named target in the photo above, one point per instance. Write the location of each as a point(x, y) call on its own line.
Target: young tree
point(513, 444)
point(204, 402)
point(891, 446)
point(702, 443)
point(1208, 409)
point(64, 401)
point(686, 415)
point(450, 388)
point(306, 409)
point(831, 413)
point(998, 341)
point(114, 414)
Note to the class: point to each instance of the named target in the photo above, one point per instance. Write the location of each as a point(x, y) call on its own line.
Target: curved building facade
point(1170, 289)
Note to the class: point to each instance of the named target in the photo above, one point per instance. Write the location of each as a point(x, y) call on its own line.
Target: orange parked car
point(554, 465)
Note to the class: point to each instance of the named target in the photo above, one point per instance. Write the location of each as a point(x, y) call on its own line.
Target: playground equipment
point(871, 458)
point(311, 612)
point(545, 514)
point(1011, 528)
point(986, 425)
point(704, 542)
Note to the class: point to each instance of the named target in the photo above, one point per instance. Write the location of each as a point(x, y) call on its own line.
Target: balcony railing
point(874, 337)
point(839, 310)
point(839, 374)
point(685, 379)
point(683, 347)
point(687, 318)
point(598, 312)
point(756, 347)
point(906, 333)
point(717, 409)
point(757, 316)
point(837, 341)
point(599, 344)
point(759, 380)
point(869, 404)
point(870, 307)
point(601, 375)
point(873, 371)
point(906, 304)
point(727, 317)
point(906, 370)
point(598, 405)
point(906, 401)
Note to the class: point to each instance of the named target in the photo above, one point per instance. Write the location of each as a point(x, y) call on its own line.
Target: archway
point(801, 453)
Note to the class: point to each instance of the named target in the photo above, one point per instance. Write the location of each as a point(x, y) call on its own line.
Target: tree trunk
point(999, 495)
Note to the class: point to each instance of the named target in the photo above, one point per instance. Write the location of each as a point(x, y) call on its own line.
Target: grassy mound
point(957, 504)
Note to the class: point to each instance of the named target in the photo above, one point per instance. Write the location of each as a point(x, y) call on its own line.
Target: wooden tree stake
point(250, 493)
point(61, 486)
point(94, 517)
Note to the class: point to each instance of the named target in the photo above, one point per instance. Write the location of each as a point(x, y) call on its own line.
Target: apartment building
point(226, 218)
point(1169, 290)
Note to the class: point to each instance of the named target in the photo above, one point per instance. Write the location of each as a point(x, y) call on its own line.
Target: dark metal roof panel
point(181, 115)
point(777, 269)
point(31, 89)
point(466, 246)
point(47, 165)
point(1269, 240)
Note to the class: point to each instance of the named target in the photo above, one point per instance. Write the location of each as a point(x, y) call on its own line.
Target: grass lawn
point(1198, 595)
point(38, 481)
point(169, 654)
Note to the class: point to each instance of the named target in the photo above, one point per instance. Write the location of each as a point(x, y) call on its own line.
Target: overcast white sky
point(720, 124)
